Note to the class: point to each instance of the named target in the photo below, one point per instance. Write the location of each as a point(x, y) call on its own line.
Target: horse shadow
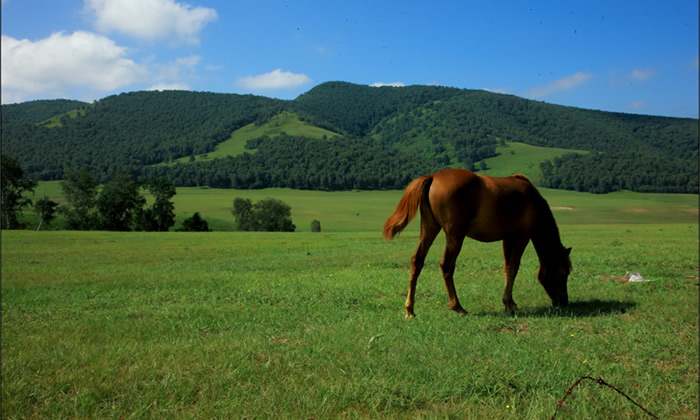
point(578, 309)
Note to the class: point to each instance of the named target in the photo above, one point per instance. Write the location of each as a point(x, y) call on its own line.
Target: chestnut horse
point(486, 209)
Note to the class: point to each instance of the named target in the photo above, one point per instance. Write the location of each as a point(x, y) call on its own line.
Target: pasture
point(304, 325)
point(366, 211)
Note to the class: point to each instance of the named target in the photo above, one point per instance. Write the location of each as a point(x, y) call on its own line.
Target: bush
point(268, 215)
point(195, 224)
point(315, 226)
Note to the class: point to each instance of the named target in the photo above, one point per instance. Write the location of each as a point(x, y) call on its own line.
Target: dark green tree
point(162, 214)
point(80, 191)
point(14, 188)
point(272, 215)
point(315, 226)
point(195, 224)
point(119, 202)
point(243, 212)
point(269, 215)
point(46, 209)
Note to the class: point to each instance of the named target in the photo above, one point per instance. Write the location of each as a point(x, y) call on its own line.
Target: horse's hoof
point(460, 311)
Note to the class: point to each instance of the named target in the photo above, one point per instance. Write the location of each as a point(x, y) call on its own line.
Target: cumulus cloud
point(498, 90)
point(276, 79)
point(641, 75)
point(62, 61)
point(393, 84)
point(150, 19)
point(169, 86)
point(559, 85)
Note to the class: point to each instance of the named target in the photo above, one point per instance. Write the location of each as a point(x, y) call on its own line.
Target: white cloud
point(150, 19)
point(52, 65)
point(169, 86)
point(559, 85)
point(276, 79)
point(393, 84)
point(189, 61)
point(641, 75)
point(498, 90)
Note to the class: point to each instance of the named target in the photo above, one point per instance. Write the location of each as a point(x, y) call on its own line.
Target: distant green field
point(363, 211)
point(521, 158)
point(285, 122)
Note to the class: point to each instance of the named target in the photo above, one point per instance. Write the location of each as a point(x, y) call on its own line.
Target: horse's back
point(482, 207)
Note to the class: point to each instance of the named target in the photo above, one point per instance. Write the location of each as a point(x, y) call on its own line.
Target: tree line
point(120, 206)
point(606, 172)
point(117, 206)
point(303, 163)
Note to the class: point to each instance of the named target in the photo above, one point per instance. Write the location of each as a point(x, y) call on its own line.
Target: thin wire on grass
point(599, 381)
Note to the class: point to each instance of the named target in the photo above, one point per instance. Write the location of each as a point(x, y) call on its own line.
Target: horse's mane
point(546, 237)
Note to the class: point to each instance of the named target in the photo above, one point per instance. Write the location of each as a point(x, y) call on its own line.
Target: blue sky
point(624, 56)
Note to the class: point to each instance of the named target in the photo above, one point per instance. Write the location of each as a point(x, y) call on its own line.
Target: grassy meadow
point(311, 325)
point(364, 211)
point(521, 158)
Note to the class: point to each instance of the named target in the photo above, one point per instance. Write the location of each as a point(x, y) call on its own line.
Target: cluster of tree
point(35, 112)
point(434, 125)
point(606, 172)
point(268, 215)
point(356, 109)
point(128, 131)
point(119, 206)
point(14, 191)
point(302, 163)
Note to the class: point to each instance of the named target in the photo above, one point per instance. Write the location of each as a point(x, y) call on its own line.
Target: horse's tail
point(407, 207)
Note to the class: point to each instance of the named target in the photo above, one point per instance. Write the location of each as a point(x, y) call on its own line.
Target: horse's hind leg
point(449, 259)
point(513, 249)
point(428, 231)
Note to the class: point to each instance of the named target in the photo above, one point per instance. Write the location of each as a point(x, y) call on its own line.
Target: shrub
point(268, 215)
point(195, 224)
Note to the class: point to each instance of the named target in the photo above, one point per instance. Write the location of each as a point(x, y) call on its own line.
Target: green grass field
point(311, 325)
point(521, 158)
point(362, 211)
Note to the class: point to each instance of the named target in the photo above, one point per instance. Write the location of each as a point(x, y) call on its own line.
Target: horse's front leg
point(513, 249)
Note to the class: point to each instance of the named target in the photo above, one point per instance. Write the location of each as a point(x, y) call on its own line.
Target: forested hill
point(387, 136)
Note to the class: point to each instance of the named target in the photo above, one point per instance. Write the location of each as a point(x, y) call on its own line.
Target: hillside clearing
point(285, 122)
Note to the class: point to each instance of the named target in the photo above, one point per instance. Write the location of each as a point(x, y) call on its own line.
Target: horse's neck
point(545, 236)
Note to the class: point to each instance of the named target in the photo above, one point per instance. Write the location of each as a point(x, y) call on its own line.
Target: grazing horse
point(486, 209)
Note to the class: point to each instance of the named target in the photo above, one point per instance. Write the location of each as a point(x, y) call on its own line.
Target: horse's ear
point(567, 251)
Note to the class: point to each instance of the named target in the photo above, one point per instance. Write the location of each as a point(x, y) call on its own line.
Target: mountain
point(374, 137)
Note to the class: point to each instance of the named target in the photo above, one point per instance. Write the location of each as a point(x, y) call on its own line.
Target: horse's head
point(553, 275)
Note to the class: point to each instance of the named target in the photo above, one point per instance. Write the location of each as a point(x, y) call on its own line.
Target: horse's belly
point(489, 228)
point(483, 233)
